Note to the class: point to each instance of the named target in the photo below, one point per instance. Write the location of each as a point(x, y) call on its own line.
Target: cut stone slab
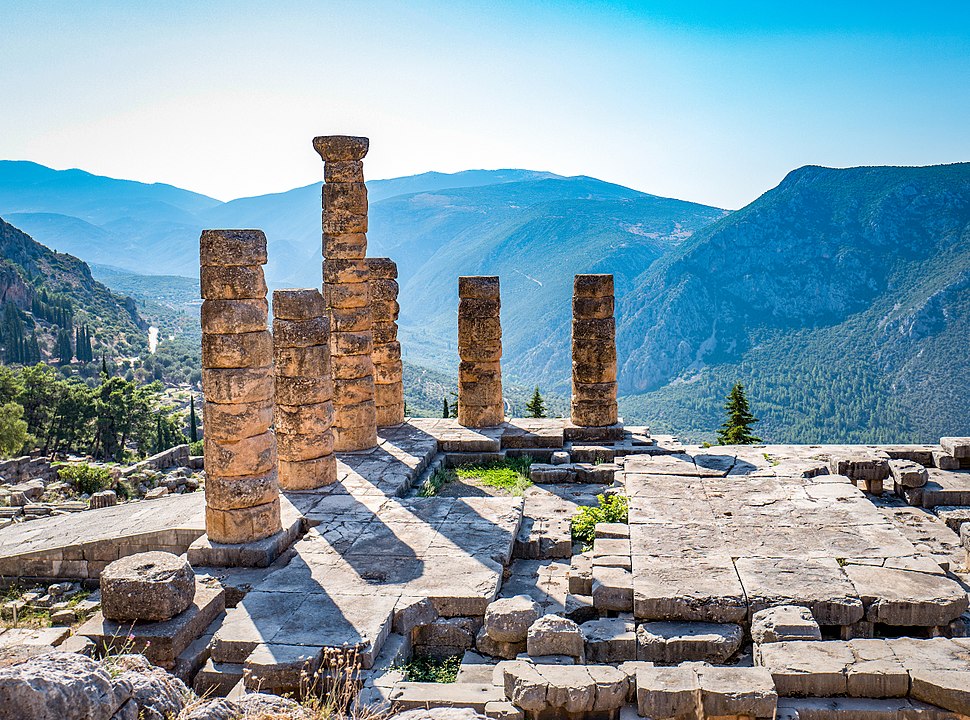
point(280, 668)
point(807, 668)
point(581, 574)
point(907, 598)
point(554, 635)
point(508, 619)
point(149, 586)
point(784, 622)
point(737, 692)
point(612, 589)
point(875, 671)
point(859, 709)
point(955, 516)
point(616, 531)
point(819, 584)
point(948, 689)
point(668, 693)
point(217, 679)
point(161, 642)
point(675, 642)
point(908, 473)
point(958, 447)
point(421, 695)
point(495, 648)
point(503, 711)
point(610, 640)
point(686, 588)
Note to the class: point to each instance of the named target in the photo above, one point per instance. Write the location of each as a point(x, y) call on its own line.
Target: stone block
point(337, 171)
point(232, 422)
point(243, 525)
point(150, 586)
point(232, 283)
point(341, 148)
point(695, 589)
point(908, 473)
point(279, 668)
point(497, 648)
point(907, 598)
point(298, 304)
point(875, 671)
point(581, 574)
point(345, 343)
point(306, 419)
point(599, 308)
point(503, 711)
point(782, 623)
point(612, 589)
point(509, 619)
point(295, 447)
point(807, 668)
point(234, 316)
point(345, 197)
point(593, 286)
point(603, 330)
point(958, 447)
point(668, 693)
point(948, 689)
point(308, 474)
point(416, 695)
point(237, 385)
point(232, 247)
point(308, 362)
point(674, 642)
point(243, 491)
point(238, 350)
point(301, 333)
point(554, 635)
point(610, 640)
point(737, 692)
point(248, 457)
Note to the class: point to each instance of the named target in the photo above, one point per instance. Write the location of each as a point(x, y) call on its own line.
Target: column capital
point(334, 148)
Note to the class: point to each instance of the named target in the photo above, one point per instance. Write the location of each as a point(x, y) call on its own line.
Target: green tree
point(736, 430)
point(193, 422)
point(13, 429)
point(445, 410)
point(125, 413)
point(536, 407)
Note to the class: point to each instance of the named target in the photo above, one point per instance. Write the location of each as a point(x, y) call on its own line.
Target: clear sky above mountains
point(711, 102)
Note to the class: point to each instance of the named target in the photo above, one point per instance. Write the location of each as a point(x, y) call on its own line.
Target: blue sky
point(712, 102)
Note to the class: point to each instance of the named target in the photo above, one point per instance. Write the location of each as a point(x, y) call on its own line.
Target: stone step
point(843, 708)
point(411, 695)
point(217, 679)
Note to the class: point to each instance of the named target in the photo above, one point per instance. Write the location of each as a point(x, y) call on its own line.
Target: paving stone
point(782, 623)
point(875, 671)
point(903, 597)
point(819, 584)
point(674, 642)
point(687, 588)
point(503, 711)
point(807, 668)
point(412, 695)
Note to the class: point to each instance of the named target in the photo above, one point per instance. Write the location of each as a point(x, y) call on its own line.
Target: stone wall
point(304, 390)
point(21, 469)
point(480, 352)
point(388, 371)
point(594, 352)
point(242, 492)
point(346, 290)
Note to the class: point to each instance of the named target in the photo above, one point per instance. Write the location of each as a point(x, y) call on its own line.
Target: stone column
point(346, 290)
point(594, 352)
point(304, 390)
point(480, 352)
point(388, 381)
point(241, 489)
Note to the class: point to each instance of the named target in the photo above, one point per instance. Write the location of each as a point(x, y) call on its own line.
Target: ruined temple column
point(241, 489)
point(594, 352)
point(480, 352)
point(346, 290)
point(304, 390)
point(388, 381)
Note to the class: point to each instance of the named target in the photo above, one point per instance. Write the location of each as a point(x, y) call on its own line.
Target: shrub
point(426, 669)
point(195, 448)
point(611, 509)
point(86, 479)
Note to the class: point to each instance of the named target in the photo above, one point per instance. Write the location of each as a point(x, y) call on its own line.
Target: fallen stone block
point(554, 635)
point(807, 668)
point(496, 648)
point(668, 693)
point(737, 692)
point(502, 710)
point(955, 516)
point(147, 586)
point(612, 589)
point(782, 623)
point(907, 598)
point(958, 447)
point(908, 473)
point(948, 689)
point(508, 619)
point(581, 574)
point(674, 642)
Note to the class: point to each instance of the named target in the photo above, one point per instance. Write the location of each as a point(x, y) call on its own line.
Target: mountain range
point(839, 297)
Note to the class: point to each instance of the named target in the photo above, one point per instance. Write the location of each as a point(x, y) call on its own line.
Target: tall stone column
point(346, 290)
point(304, 390)
point(388, 372)
point(241, 489)
point(480, 352)
point(594, 352)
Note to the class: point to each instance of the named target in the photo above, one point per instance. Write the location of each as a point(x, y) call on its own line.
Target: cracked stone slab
point(703, 589)
point(904, 597)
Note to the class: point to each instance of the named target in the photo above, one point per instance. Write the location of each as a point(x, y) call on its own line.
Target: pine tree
point(193, 423)
point(736, 430)
point(536, 407)
point(445, 410)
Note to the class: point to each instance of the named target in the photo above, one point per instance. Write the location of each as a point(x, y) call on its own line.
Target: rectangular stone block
point(670, 693)
point(305, 362)
point(343, 171)
point(233, 422)
point(237, 385)
point(237, 350)
point(298, 304)
point(308, 474)
point(595, 329)
point(345, 197)
point(232, 283)
point(301, 333)
point(347, 295)
point(234, 316)
point(342, 344)
point(339, 222)
point(244, 524)
point(232, 247)
point(249, 456)
point(232, 493)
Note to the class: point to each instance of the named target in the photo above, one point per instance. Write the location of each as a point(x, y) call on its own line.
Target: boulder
point(508, 620)
point(60, 686)
point(219, 709)
point(158, 695)
point(149, 586)
point(554, 635)
point(261, 705)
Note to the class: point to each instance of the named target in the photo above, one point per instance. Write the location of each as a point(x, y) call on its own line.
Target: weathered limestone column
point(304, 390)
point(388, 371)
point(346, 290)
point(480, 352)
point(241, 489)
point(594, 352)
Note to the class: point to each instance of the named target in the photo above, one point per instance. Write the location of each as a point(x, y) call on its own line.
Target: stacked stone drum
point(388, 373)
point(594, 352)
point(346, 290)
point(241, 489)
point(304, 390)
point(480, 352)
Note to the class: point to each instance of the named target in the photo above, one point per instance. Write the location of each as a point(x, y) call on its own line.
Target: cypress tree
point(445, 410)
point(736, 430)
point(193, 423)
point(536, 407)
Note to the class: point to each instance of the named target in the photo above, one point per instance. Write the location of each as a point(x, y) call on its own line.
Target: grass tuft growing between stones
point(426, 669)
point(511, 474)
